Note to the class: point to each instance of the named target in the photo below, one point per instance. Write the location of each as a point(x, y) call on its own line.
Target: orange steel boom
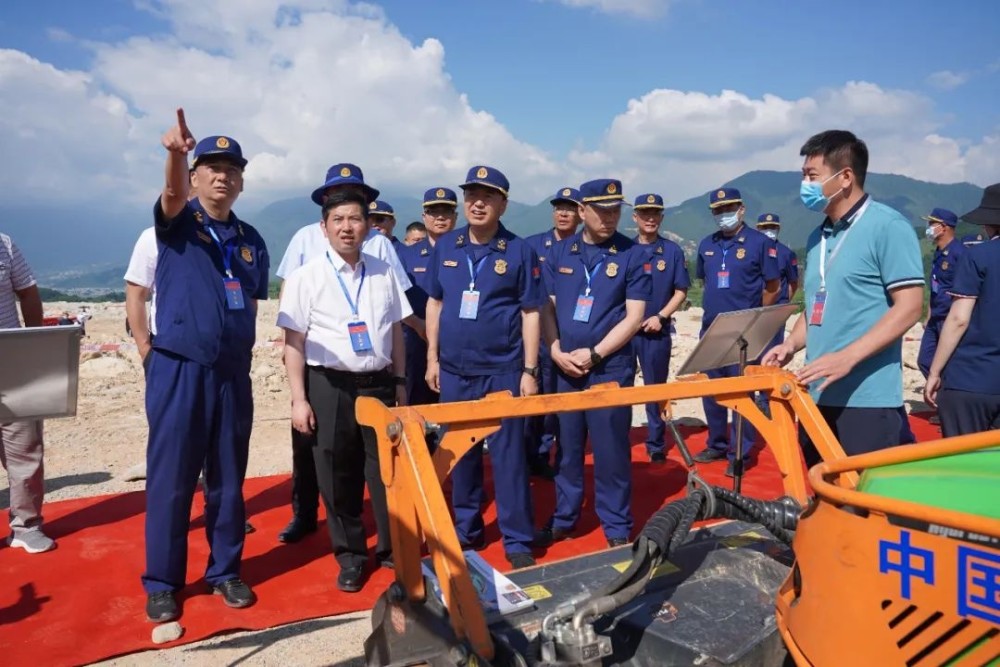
point(419, 512)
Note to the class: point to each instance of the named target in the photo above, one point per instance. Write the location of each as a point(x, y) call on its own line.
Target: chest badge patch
point(246, 255)
point(741, 253)
point(450, 262)
point(500, 267)
point(612, 270)
point(661, 265)
point(944, 265)
point(423, 252)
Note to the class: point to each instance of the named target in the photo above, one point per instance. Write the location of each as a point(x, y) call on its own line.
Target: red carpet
point(83, 601)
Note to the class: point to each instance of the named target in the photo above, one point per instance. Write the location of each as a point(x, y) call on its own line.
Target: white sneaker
point(32, 541)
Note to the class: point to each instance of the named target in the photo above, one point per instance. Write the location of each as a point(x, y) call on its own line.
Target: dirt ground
point(91, 453)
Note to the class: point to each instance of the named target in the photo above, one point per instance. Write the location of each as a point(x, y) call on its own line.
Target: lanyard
point(474, 271)
point(343, 288)
point(823, 263)
point(226, 249)
point(725, 251)
point(586, 272)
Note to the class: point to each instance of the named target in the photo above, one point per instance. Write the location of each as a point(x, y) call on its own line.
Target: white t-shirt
point(309, 242)
point(313, 303)
point(15, 275)
point(142, 269)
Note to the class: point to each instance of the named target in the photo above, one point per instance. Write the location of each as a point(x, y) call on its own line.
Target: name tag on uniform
point(419, 269)
point(360, 340)
point(722, 280)
point(469, 309)
point(816, 315)
point(584, 306)
point(234, 293)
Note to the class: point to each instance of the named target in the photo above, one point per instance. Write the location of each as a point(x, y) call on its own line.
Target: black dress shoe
point(296, 529)
point(520, 560)
point(351, 579)
point(248, 528)
point(235, 593)
point(161, 607)
point(708, 455)
point(477, 544)
point(731, 468)
point(657, 457)
point(617, 542)
point(546, 536)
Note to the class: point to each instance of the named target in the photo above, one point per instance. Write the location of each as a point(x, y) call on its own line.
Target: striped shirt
point(15, 275)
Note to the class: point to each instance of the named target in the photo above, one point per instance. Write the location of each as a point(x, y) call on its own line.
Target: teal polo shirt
point(874, 250)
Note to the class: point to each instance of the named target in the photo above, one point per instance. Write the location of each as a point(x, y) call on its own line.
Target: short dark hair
point(416, 225)
point(345, 197)
point(840, 149)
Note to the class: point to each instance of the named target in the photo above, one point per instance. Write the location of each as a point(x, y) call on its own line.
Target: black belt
point(382, 378)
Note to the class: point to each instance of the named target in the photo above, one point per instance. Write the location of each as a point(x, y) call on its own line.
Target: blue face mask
point(727, 222)
point(811, 194)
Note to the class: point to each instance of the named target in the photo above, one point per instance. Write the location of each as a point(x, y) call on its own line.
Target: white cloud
point(644, 9)
point(947, 80)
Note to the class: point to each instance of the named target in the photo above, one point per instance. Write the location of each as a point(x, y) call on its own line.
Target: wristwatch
point(664, 321)
point(531, 370)
point(400, 381)
point(595, 358)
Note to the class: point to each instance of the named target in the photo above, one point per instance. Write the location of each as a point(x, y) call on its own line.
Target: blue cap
point(488, 176)
point(768, 220)
point(221, 146)
point(572, 195)
point(436, 196)
point(942, 216)
point(379, 207)
point(973, 239)
point(344, 173)
point(603, 192)
point(724, 196)
point(648, 201)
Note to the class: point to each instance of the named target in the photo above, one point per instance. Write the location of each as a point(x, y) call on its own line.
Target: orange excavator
point(889, 558)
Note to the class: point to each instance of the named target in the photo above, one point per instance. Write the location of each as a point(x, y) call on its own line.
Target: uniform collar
point(717, 237)
point(613, 245)
point(848, 218)
point(202, 217)
point(499, 242)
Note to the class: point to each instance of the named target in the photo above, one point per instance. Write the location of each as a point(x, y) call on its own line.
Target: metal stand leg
point(738, 463)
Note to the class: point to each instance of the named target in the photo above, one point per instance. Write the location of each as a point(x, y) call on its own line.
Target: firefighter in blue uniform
point(663, 261)
point(598, 292)
point(540, 433)
point(440, 213)
point(383, 220)
point(738, 271)
point(211, 270)
point(484, 293)
point(941, 225)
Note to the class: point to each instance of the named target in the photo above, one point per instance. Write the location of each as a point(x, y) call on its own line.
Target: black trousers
point(964, 412)
point(859, 430)
point(346, 457)
point(305, 490)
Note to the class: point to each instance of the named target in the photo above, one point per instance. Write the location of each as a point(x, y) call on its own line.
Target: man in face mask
point(738, 271)
point(863, 290)
point(940, 231)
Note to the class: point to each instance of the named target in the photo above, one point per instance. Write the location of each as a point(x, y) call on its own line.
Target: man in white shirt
point(342, 313)
point(307, 243)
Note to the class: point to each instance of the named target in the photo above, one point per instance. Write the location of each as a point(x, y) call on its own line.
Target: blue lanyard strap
point(586, 272)
point(474, 270)
point(357, 298)
point(226, 249)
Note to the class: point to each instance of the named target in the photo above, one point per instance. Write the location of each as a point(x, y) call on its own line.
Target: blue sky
point(552, 91)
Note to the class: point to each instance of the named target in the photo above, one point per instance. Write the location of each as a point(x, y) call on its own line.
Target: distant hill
point(69, 254)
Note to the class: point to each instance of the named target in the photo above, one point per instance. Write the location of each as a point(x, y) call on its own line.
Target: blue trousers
point(540, 432)
point(609, 430)
point(722, 435)
point(198, 416)
point(653, 353)
point(928, 345)
point(512, 493)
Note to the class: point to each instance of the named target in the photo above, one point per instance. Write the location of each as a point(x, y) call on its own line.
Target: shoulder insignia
point(198, 217)
point(500, 267)
point(741, 239)
point(460, 240)
point(548, 243)
point(741, 253)
point(246, 254)
point(502, 244)
point(661, 265)
point(450, 262)
point(423, 252)
point(204, 237)
point(659, 250)
point(612, 270)
point(612, 250)
point(944, 252)
point(541, 258)
point(565, 269)
point(574, 248)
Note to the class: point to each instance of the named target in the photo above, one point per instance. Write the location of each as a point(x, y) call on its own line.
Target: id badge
point(816, 315)
point(584, 305)
point(234, 293)
point(935, 286)
point(469, 309)
point(360, 340)
point(723, 282)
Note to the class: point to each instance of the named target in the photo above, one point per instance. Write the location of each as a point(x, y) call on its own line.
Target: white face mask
point(771, 234)
point(727, 222)
point(932, 232)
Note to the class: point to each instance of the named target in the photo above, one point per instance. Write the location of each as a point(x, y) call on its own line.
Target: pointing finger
point(181, 123)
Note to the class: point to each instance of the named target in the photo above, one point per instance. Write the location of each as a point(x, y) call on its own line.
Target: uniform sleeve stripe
point(962, 296)
point(905, 282)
